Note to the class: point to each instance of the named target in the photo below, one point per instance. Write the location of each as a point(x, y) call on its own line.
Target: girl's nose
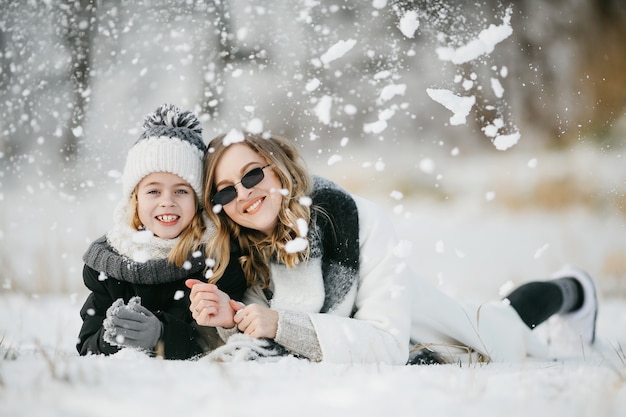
point(166, 200)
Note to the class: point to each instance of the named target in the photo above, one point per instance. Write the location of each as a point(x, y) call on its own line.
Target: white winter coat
point(389, 307)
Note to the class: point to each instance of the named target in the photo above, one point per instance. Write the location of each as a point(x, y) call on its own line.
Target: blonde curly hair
point(258, 248)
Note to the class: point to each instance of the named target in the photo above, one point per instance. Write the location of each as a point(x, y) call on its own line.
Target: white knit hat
point(171, 142)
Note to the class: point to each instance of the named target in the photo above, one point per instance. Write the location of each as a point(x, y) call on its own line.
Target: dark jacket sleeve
point(233, 282)
point(93, 312)
point(180, 337)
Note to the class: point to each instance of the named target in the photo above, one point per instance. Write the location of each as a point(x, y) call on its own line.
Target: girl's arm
point(93, 313)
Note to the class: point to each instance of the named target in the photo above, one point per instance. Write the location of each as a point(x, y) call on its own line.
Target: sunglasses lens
point(225, 196)
point(228, 194)
point(252, 178)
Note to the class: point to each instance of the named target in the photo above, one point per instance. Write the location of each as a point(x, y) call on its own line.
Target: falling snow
point(459, 106)
point(337, 51)
point(393, 102)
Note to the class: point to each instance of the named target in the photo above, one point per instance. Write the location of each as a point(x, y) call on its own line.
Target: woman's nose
point(242, 192)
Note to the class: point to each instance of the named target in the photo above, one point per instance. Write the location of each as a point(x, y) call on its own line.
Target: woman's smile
point(252, 208)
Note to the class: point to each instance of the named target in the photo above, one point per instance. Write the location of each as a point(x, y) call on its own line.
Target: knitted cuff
point(572, 294)
point(297, 334)
point(226, 333)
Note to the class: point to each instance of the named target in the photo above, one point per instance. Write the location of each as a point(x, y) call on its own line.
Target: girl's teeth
point(167, 219)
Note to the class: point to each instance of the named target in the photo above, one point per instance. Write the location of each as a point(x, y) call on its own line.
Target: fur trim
point(241, 348)
point(137, 245)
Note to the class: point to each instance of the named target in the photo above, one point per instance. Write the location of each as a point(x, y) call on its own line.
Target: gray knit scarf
point(102, 257)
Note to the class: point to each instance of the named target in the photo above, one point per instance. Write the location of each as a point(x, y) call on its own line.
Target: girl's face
point(166, 204)
point(254, 208)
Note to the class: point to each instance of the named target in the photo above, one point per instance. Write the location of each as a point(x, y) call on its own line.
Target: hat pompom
point(169, 115)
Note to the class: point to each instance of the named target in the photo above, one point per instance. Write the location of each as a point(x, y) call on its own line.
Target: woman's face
point(254, 208)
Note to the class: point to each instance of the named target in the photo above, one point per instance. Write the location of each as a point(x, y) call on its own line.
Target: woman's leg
point(535, 302)
point(571, 294)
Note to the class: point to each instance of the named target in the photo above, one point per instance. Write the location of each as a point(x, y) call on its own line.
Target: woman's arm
point(379, 327)
point(372, 323)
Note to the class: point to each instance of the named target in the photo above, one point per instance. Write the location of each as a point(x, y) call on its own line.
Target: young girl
point(326, 284)
point(136, 272)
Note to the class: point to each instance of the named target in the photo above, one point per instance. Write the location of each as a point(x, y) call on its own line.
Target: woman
point(325, 282)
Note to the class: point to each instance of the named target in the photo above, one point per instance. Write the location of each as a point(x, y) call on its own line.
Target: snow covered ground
point(476, 226)
point(41, 375)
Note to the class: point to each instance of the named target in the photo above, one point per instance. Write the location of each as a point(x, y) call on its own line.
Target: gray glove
point(132, 325)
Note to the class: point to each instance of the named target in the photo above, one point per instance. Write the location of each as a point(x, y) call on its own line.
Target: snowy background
point(493, 133)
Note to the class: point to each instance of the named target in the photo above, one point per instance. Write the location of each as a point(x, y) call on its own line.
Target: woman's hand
point(256, 320)
point(210, 306)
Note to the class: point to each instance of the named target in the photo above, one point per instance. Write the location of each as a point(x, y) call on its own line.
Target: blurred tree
point(5, 80)
point(220, 49)
point(78, 27)
point(565, 61)
point(572, 84)
point(603, 66)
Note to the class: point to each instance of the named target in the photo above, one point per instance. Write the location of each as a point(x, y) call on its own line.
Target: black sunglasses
point(228, 194)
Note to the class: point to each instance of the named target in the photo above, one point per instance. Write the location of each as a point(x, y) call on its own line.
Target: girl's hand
point(210, 306)
point(256, 320)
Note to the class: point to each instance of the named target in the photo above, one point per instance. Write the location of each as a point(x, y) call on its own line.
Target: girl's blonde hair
point(258, 248)
point(189, 241)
